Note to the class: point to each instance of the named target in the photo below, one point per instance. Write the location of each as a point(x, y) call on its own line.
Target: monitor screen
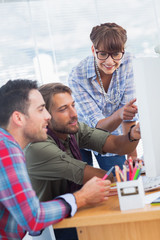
point(147, 83)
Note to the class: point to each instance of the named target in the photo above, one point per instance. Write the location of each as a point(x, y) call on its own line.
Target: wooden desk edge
point(138, 215)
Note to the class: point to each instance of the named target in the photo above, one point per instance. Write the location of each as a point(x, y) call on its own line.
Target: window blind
point(44, 39)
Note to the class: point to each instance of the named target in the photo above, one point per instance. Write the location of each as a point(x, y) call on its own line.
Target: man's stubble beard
point(63, 129)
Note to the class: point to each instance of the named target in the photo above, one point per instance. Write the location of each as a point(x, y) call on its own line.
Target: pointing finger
point(131, 102)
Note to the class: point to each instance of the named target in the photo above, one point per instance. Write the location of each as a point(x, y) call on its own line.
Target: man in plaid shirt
point(24, 119)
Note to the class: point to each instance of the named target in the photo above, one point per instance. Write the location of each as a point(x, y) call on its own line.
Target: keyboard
point(150, 183)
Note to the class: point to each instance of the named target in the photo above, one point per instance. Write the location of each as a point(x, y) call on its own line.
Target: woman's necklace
point(117, 95)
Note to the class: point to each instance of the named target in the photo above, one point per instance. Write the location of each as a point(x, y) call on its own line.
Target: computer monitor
point(147, 82)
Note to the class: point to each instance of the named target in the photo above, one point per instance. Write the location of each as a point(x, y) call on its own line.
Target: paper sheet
point(151, 197)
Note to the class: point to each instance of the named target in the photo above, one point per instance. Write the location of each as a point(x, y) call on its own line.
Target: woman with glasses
point(103, 88)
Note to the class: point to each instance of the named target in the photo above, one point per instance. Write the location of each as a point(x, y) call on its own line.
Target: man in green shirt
point(55, 165)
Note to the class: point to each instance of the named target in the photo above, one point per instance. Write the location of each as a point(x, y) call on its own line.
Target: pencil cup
point(131, 194)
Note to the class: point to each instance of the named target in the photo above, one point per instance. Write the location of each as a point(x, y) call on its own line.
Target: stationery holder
point(131, 194)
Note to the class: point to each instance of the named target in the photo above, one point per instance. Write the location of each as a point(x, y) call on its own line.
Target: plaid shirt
point(20, 209)
point(90, 102)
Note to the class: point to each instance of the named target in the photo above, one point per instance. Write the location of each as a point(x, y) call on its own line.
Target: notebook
point(156, 201)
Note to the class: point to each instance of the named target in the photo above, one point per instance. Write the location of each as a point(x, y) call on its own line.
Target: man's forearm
point(119, 145)
point(132, 154)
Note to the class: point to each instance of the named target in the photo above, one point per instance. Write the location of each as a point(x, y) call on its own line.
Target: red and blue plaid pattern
point(20, 209)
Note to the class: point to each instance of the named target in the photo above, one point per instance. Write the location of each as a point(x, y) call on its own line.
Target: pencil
point(133, 173)
point(128, 174)
point(121, 174)
point(107, 174)
point(136, 174)
point(117, 173)
point(125, 172)
point(130, 168)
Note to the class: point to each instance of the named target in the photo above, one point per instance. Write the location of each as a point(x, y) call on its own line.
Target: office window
point(44, 39)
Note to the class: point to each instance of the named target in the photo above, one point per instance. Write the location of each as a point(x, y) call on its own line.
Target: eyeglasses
point(102, 55)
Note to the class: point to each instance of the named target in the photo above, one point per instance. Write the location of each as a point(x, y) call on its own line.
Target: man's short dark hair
point(50, 89)
point(14, 97)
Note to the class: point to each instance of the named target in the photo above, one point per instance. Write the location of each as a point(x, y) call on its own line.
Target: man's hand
point(128, 111)
point(93, 192)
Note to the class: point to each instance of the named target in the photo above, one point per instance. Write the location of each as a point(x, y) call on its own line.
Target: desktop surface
point(107, 221)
